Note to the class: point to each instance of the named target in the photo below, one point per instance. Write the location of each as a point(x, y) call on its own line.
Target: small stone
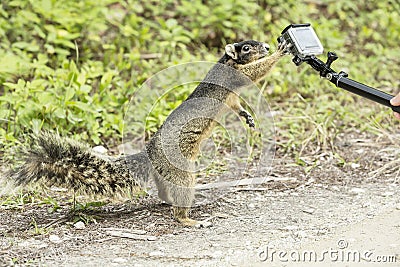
point(55, 239)
point(309, 210)
point(119, 260)
point(355, 165)
point(356, 191)
point(99, 149)
point(251, 206)
point(79, 225)
point(360, 151)
point(156, 253)
point(221, 215)
point(203, 224)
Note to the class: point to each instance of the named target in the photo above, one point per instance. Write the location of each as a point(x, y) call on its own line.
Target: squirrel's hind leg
point(181, 214)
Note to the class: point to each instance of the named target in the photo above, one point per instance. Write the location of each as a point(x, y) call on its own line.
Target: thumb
point(395, 101)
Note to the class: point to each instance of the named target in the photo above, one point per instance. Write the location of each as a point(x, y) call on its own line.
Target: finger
point(282, 45)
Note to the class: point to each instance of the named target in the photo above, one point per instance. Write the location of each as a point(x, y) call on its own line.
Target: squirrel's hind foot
point(181, 215)
point(194, 223)
point(187, 222)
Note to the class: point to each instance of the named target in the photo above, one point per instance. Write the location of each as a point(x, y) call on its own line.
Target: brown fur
point(221, 87)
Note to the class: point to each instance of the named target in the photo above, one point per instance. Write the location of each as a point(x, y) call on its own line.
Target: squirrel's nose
point(266, 47)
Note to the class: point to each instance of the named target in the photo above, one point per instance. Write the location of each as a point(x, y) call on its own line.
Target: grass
point(73, 67)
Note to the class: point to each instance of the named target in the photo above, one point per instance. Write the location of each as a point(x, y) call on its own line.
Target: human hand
point(395, 101)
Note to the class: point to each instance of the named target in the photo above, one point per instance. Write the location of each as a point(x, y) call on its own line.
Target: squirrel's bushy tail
point(64, 162)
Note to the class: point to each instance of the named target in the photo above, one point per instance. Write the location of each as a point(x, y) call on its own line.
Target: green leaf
point(81, 105)
point(59, 113)
point(46, 98)
point(69, 93)
point(36, 125)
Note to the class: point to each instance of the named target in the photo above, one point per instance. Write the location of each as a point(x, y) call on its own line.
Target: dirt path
point(245, 223)
point(370, 242)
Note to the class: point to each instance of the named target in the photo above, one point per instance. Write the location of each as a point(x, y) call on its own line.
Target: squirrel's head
point(247, 51)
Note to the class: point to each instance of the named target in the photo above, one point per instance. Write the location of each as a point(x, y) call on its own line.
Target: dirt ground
point(327, 213)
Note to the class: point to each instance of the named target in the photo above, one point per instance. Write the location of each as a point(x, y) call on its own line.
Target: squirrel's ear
point(231, 51)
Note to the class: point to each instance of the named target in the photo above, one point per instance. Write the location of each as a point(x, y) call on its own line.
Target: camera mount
point(305, 45)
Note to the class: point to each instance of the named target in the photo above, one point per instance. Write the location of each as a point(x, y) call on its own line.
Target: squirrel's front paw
point(248, 117)
point(250, 121)
point(284, 47)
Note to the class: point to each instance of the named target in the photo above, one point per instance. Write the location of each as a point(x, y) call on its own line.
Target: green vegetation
point(72, 66)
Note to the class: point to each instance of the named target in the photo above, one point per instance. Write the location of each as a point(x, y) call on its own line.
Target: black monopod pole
point(340, 80)
point(367, 92)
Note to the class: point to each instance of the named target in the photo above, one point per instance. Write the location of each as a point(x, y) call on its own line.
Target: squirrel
point(168, 156)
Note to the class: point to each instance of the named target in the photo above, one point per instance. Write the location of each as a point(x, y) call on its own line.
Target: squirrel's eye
point(246, 48)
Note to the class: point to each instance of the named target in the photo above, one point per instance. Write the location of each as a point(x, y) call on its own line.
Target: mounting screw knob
point(331, 57)
point(297, 60)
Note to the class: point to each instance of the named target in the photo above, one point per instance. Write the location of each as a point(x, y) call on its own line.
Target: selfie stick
point(340, 79)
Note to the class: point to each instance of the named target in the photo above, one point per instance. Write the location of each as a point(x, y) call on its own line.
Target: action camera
point(304, 42)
